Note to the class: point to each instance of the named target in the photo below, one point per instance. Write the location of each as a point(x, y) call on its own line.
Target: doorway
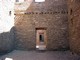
point(41, 39)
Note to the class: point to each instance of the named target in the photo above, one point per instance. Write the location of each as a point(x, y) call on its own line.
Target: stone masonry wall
point(7, 41)
point(74, 25)
point(6, 26)
point(49, 14)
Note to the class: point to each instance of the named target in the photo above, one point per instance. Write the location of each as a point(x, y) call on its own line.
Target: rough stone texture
point(51, 14)
point(7, 41)
point(25, 33)
point(6, 25)
point(74, 25)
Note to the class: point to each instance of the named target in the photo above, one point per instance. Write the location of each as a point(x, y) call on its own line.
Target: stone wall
point(74, 25)
point(6, 25)
point(7, 41)
point(49, 14)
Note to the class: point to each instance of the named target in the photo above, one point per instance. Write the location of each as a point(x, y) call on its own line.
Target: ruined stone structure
point(32, 17)
point(6, 24)
point(50, 25)
point(74, 25)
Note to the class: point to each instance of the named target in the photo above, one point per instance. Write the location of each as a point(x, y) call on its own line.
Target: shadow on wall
point(7, 41)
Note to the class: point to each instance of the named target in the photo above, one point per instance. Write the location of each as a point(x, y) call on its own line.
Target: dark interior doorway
point(41, 38)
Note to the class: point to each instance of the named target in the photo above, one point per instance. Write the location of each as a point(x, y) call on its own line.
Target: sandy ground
point(38, 55)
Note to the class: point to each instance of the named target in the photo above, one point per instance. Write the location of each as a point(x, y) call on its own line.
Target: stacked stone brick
point(74, 25)
point(51, 14)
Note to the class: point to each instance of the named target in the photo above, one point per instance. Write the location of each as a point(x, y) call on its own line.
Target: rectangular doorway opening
point(41, 38)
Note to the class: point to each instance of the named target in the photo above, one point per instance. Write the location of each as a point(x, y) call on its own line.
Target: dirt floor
point(40, 55)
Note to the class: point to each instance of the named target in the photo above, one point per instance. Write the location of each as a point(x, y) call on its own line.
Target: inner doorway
point(41, 39)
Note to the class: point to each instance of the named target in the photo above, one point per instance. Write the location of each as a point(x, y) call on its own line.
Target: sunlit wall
point(6, 15)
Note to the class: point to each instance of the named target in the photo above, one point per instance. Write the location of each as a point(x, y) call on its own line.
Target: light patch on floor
point(8, 59)
point(39, 0)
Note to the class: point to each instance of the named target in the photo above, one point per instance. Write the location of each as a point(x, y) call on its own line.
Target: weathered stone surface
point(6, 25)
point(7, 41)
point(74, 25)
point(49, 14)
